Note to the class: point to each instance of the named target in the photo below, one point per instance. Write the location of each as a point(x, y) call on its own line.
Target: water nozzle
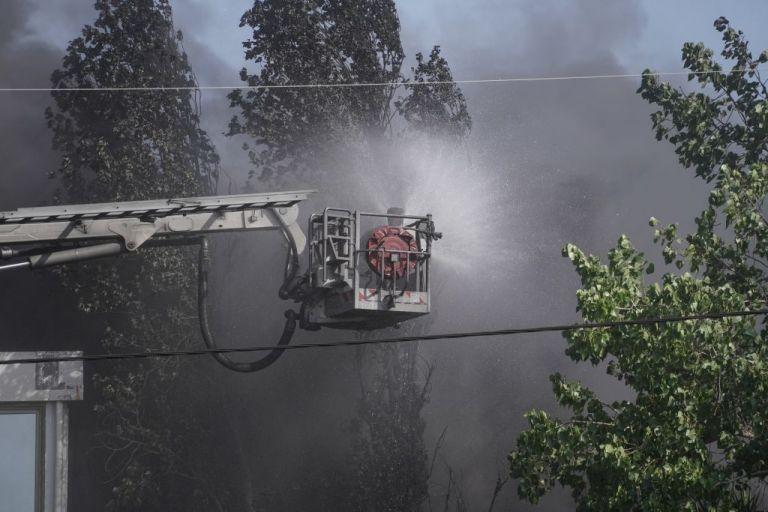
point(395, 221)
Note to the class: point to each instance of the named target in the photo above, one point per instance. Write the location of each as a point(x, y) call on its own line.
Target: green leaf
point(698, 388)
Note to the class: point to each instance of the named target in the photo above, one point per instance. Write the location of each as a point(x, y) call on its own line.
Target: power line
point(367, 84)
point(401, 339)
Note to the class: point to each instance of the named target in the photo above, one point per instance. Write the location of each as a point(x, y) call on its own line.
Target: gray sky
point(644, 33)
point(548, 163)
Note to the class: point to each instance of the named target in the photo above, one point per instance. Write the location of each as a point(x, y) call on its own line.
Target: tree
point(297, 132)
point(117, 146)
point(129, 146)
point(391, 464)
point(439, 109)
point(695, 436)
point(330, 42)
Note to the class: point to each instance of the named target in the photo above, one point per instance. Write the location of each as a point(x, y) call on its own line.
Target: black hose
point(290, 284)
point(205, 328)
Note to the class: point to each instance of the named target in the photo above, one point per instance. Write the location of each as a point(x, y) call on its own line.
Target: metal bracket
point(134, 233)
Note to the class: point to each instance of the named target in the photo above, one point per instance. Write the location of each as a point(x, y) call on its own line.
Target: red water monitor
point(392, 249)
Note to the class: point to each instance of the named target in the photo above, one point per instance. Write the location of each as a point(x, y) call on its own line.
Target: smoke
point(37, 314)
point(27, 158)
point(547, 163)
point(23, 64)
point(552, 162)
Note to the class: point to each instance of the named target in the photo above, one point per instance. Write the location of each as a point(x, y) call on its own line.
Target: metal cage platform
point(347, 289)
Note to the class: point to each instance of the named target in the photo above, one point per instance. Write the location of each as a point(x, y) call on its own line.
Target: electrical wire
point(181, 88)
point(382, 341)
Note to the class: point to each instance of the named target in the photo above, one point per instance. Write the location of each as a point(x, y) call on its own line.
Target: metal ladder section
point(154, 209)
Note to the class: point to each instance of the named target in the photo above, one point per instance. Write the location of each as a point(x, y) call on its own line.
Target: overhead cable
point(383, 341)
point(181, 88)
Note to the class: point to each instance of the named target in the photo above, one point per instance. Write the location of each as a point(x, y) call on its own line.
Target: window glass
point(18, 437)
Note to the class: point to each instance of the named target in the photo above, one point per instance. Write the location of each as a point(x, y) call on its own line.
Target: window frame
point(39, 410)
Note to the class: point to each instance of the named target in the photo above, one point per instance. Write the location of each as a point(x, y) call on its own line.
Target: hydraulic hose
point(290, 282)
point(286, 291)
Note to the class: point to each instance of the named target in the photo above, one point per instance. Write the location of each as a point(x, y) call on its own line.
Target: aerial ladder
point(364, 270)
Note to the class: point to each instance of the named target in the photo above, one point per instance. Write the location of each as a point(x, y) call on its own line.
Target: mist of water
point(474, 207)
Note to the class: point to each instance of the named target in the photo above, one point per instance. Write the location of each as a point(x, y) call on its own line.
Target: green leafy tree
point(118, 145)
point(694, 437)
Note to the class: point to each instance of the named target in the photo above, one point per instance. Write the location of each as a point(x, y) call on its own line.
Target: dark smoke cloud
point(36, 313)
point(27, 159)
point(24, 145)
point(579, 163)
point(583, 167)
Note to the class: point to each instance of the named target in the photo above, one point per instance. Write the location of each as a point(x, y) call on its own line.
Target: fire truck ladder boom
point(366, 270)
point(62, 234)
point(55, 235)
